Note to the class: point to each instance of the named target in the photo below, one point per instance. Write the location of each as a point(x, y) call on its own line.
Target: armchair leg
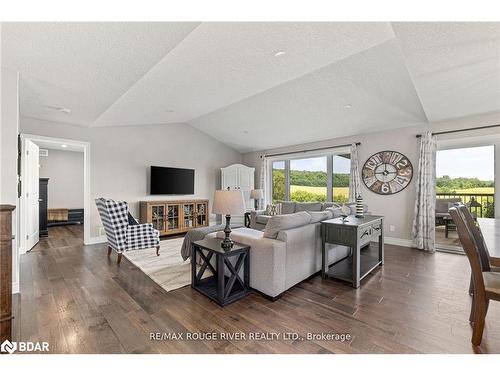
point(119, 258)
point(158, 250)
point(109, 251)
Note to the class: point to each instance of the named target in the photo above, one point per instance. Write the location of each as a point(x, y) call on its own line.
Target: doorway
point(463, 175)
point(55, 187)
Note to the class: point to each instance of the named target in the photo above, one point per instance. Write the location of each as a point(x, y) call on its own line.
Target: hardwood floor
point(80, 302)
point(61, 236)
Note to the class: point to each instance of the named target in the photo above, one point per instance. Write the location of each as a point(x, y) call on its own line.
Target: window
point(279, 186)
point(313, 179)
point(340, 179)
point(308, 180)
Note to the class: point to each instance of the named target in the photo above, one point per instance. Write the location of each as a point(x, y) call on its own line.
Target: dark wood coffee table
point(220, 288)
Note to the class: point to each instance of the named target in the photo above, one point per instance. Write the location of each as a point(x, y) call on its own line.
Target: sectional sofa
point(287, 250)
point(259, 218)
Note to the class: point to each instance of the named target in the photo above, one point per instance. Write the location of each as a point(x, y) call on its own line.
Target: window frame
point(309, 155)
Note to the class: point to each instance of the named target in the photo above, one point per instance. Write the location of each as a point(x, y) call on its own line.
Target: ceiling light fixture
point(279, 53)
point(348, 106)
point(64, 146)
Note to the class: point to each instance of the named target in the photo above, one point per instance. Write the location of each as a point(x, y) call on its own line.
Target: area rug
point(167, 270)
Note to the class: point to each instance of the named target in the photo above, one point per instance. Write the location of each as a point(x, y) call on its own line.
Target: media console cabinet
point(174, 217)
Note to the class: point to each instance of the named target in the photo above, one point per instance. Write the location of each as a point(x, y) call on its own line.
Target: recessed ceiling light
point(64, 146)
point(348, 106)
point(279, 53)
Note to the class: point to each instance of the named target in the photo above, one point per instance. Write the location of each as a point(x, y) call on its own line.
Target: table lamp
point(256, 195)
point(228, 202)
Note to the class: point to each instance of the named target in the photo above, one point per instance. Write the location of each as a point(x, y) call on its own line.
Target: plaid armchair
point(120, 234)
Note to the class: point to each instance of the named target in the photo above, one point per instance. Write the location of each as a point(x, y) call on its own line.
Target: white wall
point(121, 156)
point(397, 208)
point(64, 169)
point(8, 162)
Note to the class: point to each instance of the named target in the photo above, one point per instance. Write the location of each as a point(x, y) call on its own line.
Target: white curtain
point(355, 177)
point(264, 181)
point(423, 234)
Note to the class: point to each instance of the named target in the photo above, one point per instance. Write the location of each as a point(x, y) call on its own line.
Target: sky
point(463, 162)
point(467, 162)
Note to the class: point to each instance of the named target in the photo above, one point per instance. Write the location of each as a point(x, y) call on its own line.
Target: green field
point(317, 193)
point(320, 190)
point(476, 190)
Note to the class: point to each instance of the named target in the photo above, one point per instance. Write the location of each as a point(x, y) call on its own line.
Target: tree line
point(448, 184)
point(316, 178)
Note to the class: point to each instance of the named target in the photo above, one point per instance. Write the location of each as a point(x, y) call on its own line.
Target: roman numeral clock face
point(387, 172)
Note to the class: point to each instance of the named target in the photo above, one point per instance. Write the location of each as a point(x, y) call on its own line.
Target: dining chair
point(486, 283)
point(484, 254)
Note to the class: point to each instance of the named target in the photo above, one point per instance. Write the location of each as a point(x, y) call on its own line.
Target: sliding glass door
point(463, 175)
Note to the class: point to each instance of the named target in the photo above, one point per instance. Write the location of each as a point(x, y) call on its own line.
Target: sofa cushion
point(308, 206)
point(262, 219)
point(336, 211)
point(281, 222)
point(317, 216)
point(287, 207)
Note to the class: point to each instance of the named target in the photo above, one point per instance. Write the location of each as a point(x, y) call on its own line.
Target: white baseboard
point(15, 287)
point(96, 240)
point(398, 241)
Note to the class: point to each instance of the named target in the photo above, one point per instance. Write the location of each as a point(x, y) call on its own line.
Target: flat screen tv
point(171, 181)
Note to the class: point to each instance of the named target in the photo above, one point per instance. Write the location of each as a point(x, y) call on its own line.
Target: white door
point(31, 189)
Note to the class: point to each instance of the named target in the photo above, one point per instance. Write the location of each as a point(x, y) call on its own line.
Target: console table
point(174, 217)
point(225, 284)
point(355, 233)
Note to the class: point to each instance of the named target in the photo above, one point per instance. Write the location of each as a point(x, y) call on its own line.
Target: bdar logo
point(8, 347)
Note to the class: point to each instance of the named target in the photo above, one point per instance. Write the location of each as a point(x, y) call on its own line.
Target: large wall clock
point(387, 172)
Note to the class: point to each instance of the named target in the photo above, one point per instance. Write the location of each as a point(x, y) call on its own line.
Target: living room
point(250, 187)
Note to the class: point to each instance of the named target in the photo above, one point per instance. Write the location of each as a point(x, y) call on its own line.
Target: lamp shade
point(228, 202)
point(256, 194)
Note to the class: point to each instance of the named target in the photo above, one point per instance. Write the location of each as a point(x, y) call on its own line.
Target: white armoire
point(239, 176)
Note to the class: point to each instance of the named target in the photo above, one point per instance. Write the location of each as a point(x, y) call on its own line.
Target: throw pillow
point(287, 208)
point(271, 210)
point(336, 211)
point(277, 223)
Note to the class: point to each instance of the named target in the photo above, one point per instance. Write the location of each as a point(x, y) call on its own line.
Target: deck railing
point(483, 205)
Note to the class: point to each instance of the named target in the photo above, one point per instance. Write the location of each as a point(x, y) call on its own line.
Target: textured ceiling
point(335, 79)
point(85, 67)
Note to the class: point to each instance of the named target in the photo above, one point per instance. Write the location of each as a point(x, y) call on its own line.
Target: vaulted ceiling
point(255, 85)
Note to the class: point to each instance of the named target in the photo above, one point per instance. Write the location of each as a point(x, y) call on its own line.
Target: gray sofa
point(287, 252)
point(259, 219)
